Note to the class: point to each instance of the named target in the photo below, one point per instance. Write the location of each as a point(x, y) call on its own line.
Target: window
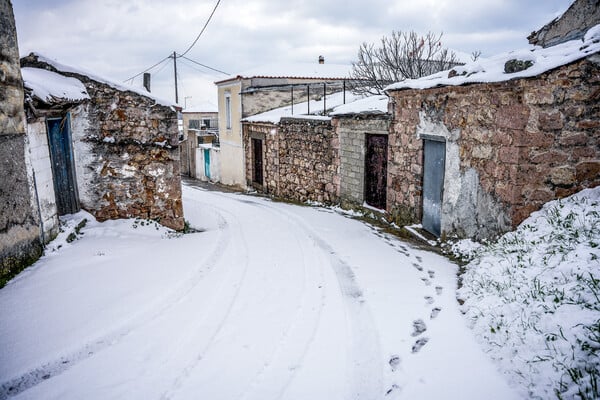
point(194, 124)
point(206, 123)
point(228, 110)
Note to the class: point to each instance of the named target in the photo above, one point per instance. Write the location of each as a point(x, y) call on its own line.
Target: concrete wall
point(215, 164)
point(20, 243)
point(510, 147)
point(232, 154)
point(301, 159)
point(352, 131)
point(39, 154)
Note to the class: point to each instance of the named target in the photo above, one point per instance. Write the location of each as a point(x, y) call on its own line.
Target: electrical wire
point(203, 28)
point(148, 69)
point(205, 66)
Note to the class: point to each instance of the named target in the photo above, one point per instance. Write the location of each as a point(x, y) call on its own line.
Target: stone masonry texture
point(128, 153)
point(301, 159)
point(528, 141)
point(20, 243)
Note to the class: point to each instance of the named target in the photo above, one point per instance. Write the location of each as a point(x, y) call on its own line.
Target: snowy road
point(269, 301)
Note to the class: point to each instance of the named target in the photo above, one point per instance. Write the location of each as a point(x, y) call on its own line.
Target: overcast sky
point(119, 38)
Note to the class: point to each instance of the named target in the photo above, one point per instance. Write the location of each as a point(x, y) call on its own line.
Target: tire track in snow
point(269, 382)
point(55, 367)
point(365, 374)
point(220, 319)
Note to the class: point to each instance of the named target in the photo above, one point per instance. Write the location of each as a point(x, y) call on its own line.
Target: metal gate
point(376, 170)
point(257, 170)
point(63, 167)
point(433, 185)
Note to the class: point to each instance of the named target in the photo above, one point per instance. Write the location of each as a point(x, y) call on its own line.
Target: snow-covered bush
point(533, 299)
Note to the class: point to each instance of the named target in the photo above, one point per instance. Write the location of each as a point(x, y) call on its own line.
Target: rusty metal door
point(434, 161)
point(63, 167)
point(376, 170)
point(257, 170)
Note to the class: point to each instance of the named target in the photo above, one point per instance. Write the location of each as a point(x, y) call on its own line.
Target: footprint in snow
point(434, 312)
point(431, 274)
point(417, 266)
point(418, 327)
point(390, 390)
point(438, 290)
point(429, 299)
point(394, 362)
point(427, 282)
point(419, 259)
point(419, 344)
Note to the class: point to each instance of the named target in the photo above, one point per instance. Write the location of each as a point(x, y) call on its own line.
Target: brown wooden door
point(257, 170)
point(376, 170)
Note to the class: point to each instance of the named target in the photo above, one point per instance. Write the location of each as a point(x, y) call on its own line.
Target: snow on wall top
point(368, 105)
point(492, 69)
point(296, 70)
point(114, 84)
point(300, 110)
point(49, 86)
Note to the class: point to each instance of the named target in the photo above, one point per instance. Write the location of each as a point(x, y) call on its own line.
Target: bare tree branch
point(403, 55)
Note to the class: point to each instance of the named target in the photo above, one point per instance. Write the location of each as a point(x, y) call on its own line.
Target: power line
point(203, 65)
point(203, 28)
point(148, 69)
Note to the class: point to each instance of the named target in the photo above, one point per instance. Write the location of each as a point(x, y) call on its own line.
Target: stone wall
point(126, 154)
point(351, 131)
point(573, 24)
point(510, 147)
point(301, 159)
point(20, 243)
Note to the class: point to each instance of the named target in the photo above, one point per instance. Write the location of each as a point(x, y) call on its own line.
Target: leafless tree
point(403, 55)
point(475, 55)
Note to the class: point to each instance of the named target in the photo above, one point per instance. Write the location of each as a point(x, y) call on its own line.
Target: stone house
point(20, 232)
point(264, 89)
point(200, 146)
point(107, 148)
point(473, 151)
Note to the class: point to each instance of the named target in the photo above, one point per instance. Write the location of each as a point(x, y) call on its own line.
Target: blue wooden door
point(207, 163)
point(434, 156)
point(63, 167)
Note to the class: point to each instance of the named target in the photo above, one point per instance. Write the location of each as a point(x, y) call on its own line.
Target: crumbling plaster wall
point(511, 147)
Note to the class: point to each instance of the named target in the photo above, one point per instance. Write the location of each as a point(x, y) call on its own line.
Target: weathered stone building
point(120, 148)
point(296, 159)
point(20, 242)
point(492, 153)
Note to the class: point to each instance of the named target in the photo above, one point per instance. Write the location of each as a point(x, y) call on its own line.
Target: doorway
point(63, 166)
point(257, 165)
point(434, 160)
point(376, 170)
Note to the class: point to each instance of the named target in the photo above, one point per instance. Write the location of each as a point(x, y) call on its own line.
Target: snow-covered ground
point(268, 301)
point(533, 298)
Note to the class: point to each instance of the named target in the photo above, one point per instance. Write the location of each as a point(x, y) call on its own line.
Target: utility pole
point(175, 72)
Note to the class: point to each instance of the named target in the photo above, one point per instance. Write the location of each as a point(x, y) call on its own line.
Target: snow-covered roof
point(204, 107)
point(301, 109)
point(49, 86)
point(368, 105)
point(114, 84)
point(295, 71)
point(492, 69)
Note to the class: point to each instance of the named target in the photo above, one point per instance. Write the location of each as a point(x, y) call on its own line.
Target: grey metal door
point(434, 157)
point(63, 168)
point(376, 170)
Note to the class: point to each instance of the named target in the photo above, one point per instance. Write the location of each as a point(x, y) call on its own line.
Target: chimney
point(147, 81)
point(321, 60)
